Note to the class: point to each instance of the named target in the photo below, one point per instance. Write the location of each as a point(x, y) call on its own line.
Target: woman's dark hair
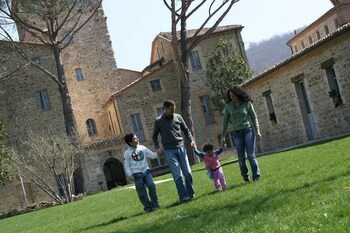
point(240, 93)
point(128, 138)
point(207, 147)
point(168, 103)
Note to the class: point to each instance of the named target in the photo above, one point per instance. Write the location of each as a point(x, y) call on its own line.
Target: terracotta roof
point(334, 34)
point(142, 77)
point(114, 140)
point(191, 32)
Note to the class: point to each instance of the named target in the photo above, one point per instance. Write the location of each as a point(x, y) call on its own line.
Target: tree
point(53, 23)
point(5, 168)
point(48, 159)
point(225, 69)
point(182, 47)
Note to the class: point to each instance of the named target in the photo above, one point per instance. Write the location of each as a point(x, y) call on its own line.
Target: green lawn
point(301, 190)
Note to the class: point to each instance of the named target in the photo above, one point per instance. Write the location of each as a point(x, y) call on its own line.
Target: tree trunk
point(68, 117)
point(186, 88)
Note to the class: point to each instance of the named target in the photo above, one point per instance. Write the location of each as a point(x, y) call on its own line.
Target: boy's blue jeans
point(179, 165)
point(143, 180)
point(245, 143)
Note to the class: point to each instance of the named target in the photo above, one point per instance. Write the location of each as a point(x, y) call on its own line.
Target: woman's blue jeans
point(245, 144)
point(179, 165)
point(143, 180)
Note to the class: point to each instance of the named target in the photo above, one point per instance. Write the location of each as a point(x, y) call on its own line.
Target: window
point(79, 74)
point(62, 185)
point(159, 111)
point(270, 108)
point(207, 111)
point(155, 85)
point(137, 126)
point(91, 127)
point(326, 30)
point(310, 40)
point(318, 35)
point(195, 61)
point(334, 92)
point(296, 49)
point(67, 38)
point(44, 100)
point(37, 60)
point(230, 52)
point(336, 23)
point(302, 44)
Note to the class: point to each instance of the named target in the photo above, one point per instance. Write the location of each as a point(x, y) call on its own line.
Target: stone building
point(301, 99)
point(107, 101)
point(305, 97)
point(137, 105)
point(29, 100)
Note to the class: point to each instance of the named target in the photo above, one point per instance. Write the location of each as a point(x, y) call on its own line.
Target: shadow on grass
point(222, 164)
point(113, 221)
point(240, 209)
point(304, 186)
point(305, 145)
point(122, 218)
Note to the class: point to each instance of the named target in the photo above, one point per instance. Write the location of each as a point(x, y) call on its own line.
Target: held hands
point(223, 143)
point(258, 136)
point(193, 144)
point(160, 151)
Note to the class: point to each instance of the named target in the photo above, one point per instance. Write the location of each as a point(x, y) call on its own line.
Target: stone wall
point(322, 27)
point(209, 133)
point(14, 196)
point(94, 177)
point(22, 112)
point(162, 47)
point(139, 98)
point(329, 121)
point(92, 51)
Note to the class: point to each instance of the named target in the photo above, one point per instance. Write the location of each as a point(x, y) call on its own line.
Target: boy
point(136, 167)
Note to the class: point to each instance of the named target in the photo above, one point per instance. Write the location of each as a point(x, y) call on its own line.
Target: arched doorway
point(114, 173)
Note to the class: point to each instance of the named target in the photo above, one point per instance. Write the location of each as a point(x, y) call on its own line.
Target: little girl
point(212, 164)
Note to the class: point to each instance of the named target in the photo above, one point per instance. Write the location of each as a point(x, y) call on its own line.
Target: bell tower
point(336, 2)
point(89, 63)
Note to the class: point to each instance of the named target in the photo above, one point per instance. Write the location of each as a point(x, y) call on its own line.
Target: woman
point(240, 112)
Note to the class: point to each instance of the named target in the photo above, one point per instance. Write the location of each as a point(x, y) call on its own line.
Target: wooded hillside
point(264, 54)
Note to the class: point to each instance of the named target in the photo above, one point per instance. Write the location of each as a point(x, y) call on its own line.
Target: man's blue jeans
point(245, 143)
point(143, 180)
point(179, 165)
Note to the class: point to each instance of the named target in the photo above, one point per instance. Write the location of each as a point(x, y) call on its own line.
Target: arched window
point(79, 74)
point(91, 127)
point(67, 38)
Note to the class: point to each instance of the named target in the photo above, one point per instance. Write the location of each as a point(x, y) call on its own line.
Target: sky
point(133, 24)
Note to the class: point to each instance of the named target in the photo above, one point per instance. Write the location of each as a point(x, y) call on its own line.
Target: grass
point(306, 189)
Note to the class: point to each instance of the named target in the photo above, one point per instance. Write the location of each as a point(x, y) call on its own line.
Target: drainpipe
point(24, 192)
point(240, 45)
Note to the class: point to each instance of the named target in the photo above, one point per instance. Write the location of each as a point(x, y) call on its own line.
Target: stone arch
point(113, 170)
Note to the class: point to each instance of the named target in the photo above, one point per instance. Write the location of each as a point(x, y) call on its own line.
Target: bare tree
point(181, 11)
point(5, 164)
point(53, 23)
point(48, 159)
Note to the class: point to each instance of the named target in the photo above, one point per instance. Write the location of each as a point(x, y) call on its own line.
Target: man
point(170, 125)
